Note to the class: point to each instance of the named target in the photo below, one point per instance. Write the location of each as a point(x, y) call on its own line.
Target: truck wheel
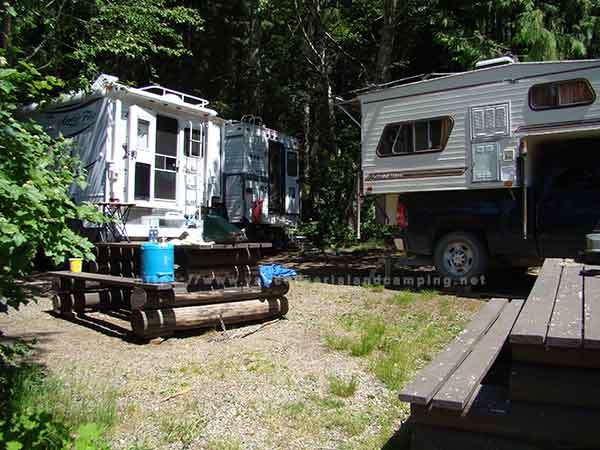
point(460, 255)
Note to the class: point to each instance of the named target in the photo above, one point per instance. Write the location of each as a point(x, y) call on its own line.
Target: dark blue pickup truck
point(470, 231)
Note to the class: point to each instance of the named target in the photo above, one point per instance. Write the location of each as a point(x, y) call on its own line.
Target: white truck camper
point(493, 164)
point(161, 150)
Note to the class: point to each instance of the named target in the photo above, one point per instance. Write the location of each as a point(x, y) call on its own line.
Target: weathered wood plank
point(566, 324)
point(566, 386)
point(532, 324)
point(591, 320)
point(491, 411)
point(556, 356)
point(458, 389)
point(428, 381)
point(111, 280)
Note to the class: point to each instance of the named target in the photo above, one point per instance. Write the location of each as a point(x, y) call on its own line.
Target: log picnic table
point(204, 299)
point(548, 397)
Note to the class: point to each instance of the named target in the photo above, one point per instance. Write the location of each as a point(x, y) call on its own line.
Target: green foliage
point(403, 334)
point(79, 39)
point(371, 337)
point(540, 41)
point(28, 420)
point(342, 388)
point(134, 33)
point(36, 173)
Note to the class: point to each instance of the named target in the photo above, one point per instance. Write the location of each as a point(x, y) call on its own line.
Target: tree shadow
point(367, 269)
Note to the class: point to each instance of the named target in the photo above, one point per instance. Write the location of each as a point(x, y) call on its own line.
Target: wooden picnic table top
point(112, 280)
point(562, 310)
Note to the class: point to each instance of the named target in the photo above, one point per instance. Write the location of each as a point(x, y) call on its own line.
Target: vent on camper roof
point(501, 61)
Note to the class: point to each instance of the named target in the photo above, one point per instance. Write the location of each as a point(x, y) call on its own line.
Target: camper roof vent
point(501, 61)
point(175, 96)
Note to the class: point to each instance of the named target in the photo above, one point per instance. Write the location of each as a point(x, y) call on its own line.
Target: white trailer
point(153, 147)
point(261, 183)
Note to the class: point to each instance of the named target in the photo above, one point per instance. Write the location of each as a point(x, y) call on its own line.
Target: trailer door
point(276, 176)
point(292, 183)
point(140, 155)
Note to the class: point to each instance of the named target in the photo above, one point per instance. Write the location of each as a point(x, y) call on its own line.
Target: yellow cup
point(75, 264)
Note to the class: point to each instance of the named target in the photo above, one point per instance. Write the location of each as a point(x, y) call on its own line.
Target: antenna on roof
point(501, 61)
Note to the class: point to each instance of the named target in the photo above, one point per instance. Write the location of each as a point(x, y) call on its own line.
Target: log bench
point(549, 397)
point(159, 309)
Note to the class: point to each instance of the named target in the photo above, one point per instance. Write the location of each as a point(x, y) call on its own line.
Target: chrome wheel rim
point(459, 258)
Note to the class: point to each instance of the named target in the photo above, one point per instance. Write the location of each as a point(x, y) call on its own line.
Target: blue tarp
point(274, 270)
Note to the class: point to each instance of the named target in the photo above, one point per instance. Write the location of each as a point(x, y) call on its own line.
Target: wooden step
point(566, 386)
point(428, 380)
point(457, 390)
point(491, 411)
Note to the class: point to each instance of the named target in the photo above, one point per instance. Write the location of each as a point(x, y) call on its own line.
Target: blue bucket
point(158, 261)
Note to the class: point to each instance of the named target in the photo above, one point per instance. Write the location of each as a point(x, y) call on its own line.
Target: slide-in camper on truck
point(158, 149)
point(496, 165)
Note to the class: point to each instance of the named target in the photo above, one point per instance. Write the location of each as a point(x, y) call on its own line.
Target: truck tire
point(460, 255)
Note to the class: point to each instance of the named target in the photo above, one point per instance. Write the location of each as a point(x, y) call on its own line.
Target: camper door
point(152, 158)
point(292, 183)
point(194, 150)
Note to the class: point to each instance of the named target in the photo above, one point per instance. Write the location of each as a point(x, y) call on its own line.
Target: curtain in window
point(445, 132)
point(544, 96)
point(574, 92)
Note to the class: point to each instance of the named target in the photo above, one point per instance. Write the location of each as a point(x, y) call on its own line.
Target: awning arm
point(340, 102)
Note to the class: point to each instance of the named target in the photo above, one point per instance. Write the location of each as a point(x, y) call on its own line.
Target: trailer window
point(192, 144)
point(410, 137)
point(561, 94)
point(292, 164)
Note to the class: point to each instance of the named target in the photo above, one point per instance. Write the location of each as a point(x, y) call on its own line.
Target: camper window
point(143, 133)
point(561, 94)
point(292, 164)
point(429, 135)
point(193, 144)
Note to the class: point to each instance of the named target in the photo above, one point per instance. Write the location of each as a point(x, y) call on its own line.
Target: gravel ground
point(268, 390)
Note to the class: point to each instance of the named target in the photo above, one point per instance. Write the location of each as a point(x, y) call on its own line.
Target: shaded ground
point(367, 268)
point(326, 377)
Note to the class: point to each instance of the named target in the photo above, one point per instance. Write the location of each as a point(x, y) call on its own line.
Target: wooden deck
point(561, 316)
point(549, 397)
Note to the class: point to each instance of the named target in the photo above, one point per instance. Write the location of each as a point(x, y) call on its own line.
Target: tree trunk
point(250, 103)
point(162, 322)
point(385, 54)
